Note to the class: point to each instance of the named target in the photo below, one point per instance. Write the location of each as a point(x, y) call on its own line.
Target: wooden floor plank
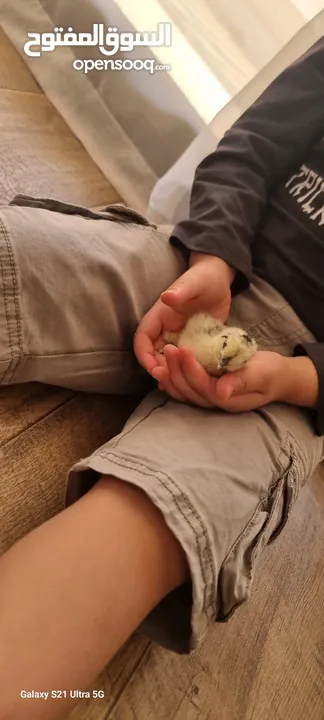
point(23, 405)
point(40, 156)
point(112, 681)
point(37, 461)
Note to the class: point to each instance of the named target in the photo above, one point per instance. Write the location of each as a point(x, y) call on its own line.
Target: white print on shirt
point(306, 185)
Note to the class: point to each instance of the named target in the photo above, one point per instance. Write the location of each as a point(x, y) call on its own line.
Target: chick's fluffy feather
point(217, 347)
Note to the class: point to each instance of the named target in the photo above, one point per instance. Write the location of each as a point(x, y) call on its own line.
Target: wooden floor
point(38, 152)
point(267, 663)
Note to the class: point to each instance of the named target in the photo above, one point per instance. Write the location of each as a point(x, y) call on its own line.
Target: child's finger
point(195, 375)
point(178, 379)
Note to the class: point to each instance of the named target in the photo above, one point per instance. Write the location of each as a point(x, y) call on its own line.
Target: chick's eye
point(247, 339)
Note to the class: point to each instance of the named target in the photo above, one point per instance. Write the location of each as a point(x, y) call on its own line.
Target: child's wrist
point(298, 382)
point(229, 272)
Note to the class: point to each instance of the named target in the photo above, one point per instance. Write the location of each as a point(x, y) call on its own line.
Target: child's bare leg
point(74, 590)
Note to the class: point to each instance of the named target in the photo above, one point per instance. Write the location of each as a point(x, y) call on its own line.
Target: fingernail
point(228, 393)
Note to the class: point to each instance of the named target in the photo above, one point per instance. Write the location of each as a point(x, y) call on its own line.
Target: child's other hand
point(258, 383)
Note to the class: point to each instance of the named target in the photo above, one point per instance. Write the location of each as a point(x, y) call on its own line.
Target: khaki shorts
point(73, 288)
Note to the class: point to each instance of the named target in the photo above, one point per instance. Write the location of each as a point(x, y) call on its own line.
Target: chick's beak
point(221, 363)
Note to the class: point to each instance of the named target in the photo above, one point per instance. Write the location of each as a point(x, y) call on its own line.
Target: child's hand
point(205, 286)
point(260, 382)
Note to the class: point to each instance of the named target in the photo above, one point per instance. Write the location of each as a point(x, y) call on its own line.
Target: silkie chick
point(217, 347)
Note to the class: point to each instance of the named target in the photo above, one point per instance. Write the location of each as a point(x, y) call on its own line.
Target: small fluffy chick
point(217, 348)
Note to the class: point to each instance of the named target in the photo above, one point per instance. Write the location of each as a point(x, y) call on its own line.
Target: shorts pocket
point(115, 213)
point(268, 520)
